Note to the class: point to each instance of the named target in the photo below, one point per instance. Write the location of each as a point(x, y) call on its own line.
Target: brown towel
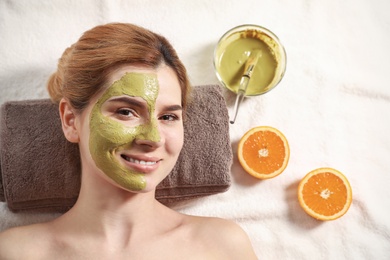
point(40, 169)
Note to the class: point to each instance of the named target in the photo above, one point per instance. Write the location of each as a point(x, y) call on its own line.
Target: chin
point(149, 187)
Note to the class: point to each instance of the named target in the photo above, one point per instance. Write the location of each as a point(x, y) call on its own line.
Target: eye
point(169, 117)
point(126, 113)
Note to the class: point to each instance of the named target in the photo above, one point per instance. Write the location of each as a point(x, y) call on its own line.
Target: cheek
point(106, 137)
point(174, 140)
point(112, 134)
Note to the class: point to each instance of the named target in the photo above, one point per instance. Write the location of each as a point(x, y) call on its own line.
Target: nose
point(149, 134)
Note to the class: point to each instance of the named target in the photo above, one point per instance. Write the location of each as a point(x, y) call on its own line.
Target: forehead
point(136, 84)
point(119, 72)
point(163, 76)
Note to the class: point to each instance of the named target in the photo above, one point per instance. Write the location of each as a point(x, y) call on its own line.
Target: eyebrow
point(173, 108)
point(140, 104)
point(128, 101)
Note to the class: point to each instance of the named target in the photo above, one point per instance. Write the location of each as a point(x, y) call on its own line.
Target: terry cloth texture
point(40, 169)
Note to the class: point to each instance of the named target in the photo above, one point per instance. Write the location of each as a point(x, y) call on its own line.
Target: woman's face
point(135, 131)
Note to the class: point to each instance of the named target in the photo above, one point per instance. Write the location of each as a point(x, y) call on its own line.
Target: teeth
point(138, 161)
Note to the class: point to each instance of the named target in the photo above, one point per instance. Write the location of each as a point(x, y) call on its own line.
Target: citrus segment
point(263, 152)
point(325, 194)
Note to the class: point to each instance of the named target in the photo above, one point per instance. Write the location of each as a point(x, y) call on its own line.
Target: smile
point(141, 162)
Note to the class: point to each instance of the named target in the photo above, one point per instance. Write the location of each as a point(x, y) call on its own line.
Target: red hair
point(84, 67)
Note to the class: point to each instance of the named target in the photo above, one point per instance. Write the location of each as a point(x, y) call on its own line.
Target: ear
point(68, 120)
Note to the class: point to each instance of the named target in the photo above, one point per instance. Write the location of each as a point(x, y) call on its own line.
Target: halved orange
point(325, 194)
point(263, 152)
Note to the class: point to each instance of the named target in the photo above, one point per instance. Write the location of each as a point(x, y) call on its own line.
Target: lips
point(132, 160)
point(143, 165)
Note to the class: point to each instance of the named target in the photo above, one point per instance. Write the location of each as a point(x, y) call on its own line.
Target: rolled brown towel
point(40, 169)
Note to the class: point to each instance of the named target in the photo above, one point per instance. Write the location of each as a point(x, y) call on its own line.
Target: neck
point(110, 212)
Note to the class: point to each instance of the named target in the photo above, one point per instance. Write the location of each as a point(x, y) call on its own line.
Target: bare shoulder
point(8, 241)
point(224, 236)
point(20, 242)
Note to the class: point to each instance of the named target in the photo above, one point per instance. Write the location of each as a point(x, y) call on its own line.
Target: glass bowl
point(232, 52)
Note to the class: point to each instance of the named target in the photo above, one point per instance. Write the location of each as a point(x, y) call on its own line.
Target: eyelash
point(125, 112)
point(128, 113)
point(171, 116)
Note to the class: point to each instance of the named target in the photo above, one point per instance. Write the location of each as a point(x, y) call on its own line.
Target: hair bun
point(55, 82)
point(54, 87)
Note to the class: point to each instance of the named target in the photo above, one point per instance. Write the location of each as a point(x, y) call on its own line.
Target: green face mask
point(108, 135)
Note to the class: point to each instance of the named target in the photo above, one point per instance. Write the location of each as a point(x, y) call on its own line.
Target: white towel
point(333, 105)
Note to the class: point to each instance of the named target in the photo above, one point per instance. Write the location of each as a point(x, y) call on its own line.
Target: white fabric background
point(333, 105)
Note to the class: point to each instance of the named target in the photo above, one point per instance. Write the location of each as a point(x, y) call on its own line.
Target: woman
point(122, 93)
